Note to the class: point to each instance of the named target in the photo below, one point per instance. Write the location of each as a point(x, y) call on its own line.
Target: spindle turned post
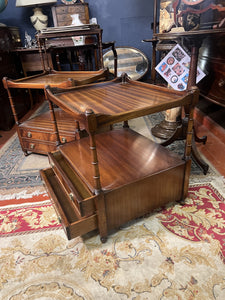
point(100, 200)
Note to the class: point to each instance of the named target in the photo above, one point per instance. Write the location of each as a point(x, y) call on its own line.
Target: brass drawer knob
point(29, 134)
point(32, 146)
point(221, 82)
point(63, 140)
point(71, 195)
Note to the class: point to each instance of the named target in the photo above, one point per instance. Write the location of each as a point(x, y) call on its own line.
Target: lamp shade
point(34, 2)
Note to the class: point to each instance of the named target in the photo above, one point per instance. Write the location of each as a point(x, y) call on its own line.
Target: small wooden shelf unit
point(39, 134)
point(110, 177)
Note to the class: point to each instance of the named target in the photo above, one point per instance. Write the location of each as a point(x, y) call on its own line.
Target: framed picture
point(68, 2)
point(190, 14)
point(174, 68)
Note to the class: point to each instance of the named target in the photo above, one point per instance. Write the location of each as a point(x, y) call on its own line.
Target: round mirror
point(129, 60)
point(3, 4)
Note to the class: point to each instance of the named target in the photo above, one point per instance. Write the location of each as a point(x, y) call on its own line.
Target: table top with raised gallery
point(118, 100)
point(60, 79)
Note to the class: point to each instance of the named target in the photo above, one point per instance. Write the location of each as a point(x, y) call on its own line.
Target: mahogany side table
point(111, 177)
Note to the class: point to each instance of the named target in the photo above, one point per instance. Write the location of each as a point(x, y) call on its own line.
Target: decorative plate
point(192, 2)
point(68, 1)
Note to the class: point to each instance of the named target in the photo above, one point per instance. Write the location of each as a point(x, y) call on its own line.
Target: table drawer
point(73, 224)
point(47, 135)
point(37, 135)
point(36, 146)
point(76, 190)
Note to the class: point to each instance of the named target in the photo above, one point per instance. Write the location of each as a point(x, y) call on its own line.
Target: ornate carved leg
point(198, 139)
point(176, 135)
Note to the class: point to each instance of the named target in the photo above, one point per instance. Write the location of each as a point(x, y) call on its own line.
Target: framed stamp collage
point(174, 68)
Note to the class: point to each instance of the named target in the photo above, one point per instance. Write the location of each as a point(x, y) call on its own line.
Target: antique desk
point(53, 35)
point(112, 176)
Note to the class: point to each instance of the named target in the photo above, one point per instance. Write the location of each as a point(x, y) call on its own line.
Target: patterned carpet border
point(10, 158)
point(143, 260)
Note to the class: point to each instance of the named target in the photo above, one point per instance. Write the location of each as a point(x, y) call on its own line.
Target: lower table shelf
point(137, 176)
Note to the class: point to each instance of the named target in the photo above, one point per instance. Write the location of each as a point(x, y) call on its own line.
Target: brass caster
point(103, 239)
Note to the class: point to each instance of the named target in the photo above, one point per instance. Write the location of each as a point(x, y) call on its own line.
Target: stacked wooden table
point(113, 176)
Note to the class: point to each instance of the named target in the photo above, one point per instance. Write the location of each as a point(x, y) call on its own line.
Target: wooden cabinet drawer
point(37, 135)
point(46, 135)
point(42, 147)
point(73, 224)
point(76, 190)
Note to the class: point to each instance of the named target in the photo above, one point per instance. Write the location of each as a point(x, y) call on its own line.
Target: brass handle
point(63, 140)
point(71, 195)
point(32, 146)
point(221, 82)
point(29, 134)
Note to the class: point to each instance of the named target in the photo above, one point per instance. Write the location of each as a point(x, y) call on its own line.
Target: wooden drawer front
point(72, 223)
point(65, 137)
point(37, 135)
point(76, 190)
point(36, 146)
point(46, 135)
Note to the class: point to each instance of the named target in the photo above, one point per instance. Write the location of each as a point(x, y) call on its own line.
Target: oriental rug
point(177, 252)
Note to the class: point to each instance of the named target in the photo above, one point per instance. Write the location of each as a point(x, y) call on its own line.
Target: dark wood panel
point(212, 62)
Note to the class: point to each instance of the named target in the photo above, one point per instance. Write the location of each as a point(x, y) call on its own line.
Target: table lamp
point(38, 20)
